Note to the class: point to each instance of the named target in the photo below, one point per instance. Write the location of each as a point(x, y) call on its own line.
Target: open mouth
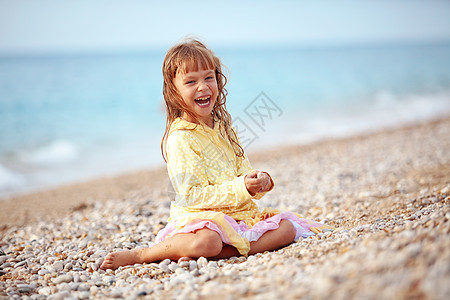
point(203, 101)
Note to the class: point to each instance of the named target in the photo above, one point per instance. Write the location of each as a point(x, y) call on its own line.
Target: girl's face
point(199, 92)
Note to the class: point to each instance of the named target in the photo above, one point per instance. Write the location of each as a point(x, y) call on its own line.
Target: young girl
point(213, 213)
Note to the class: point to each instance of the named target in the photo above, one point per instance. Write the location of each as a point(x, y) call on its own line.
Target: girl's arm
point(189, 178)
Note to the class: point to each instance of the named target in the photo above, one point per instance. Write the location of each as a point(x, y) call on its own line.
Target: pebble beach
point(387, 193)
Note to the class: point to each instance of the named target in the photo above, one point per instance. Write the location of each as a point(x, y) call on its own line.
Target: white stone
point(64, 287)
point(192, 265)
point(173, 266)
point(83, 287)
point(59, 296)
point(42, 272)
point(62, 278)
point(58, 266)
point(184, 264)
point(164, 268)
point(84, 295)
point(251, 258)
point(45, 291)
point(202, 262)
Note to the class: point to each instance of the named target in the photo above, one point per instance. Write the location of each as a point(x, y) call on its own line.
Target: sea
point(72, 117)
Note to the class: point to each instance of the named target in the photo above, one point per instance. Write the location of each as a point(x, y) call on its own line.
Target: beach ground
point(386, 192)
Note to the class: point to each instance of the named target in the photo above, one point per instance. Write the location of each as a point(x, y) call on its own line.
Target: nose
point(202, 86)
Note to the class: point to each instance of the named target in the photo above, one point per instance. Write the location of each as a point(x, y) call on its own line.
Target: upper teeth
point(203, 98)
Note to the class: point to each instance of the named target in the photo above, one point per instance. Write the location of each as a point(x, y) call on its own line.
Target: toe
point(107, 262)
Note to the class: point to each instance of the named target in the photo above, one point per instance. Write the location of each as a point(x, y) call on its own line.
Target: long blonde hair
point(185, 57)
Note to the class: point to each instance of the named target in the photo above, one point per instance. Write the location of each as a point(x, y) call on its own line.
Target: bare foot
point(121, 258)
point(184, 258)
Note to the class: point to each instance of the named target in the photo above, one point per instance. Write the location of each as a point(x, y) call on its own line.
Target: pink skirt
point(303, 227)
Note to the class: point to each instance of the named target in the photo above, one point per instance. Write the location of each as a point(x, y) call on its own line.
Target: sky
point(33, 26)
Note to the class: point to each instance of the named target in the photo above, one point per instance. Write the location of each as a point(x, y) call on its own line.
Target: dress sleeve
point(187, 171)
point(243, 165)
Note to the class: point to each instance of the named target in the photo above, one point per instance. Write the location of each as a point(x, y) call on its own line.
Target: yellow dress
point(208, 182)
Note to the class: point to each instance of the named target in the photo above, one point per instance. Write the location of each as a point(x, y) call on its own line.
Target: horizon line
point(81, 51)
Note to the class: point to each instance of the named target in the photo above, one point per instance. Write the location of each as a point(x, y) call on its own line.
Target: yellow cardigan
point(206, 174)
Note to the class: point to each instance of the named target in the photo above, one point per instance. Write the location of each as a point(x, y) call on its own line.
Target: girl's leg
point(269, 241)
point(203, 242)
point(274, 239)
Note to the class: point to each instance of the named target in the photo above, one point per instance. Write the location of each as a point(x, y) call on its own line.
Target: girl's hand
point(257, 182)
point(266, 183)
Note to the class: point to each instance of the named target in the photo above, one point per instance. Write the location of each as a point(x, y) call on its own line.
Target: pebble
point(84, 295)
point(109, 280)
point(83, 287)
point(3, 259)
point(164, 268)
point(20, 264)
point(68, 267)
point(25, 288)
point(93, 266)
point(59, 296)
point(192, 265)
point(251, 258)
point(58, 266)
point(62, 278)
point(64, 287)
point(45, 291)
point(173, 266)
point(82, 244)
point(202, 262)
point(93, 290)
point(42, 272)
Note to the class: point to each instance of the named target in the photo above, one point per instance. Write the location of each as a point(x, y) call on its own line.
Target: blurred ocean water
point(70, 118)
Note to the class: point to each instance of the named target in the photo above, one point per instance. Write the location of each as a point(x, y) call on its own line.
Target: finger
point(264, 180)
point(253, 181)
point(252, 174)
point(266, 184)
point(263, 188)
